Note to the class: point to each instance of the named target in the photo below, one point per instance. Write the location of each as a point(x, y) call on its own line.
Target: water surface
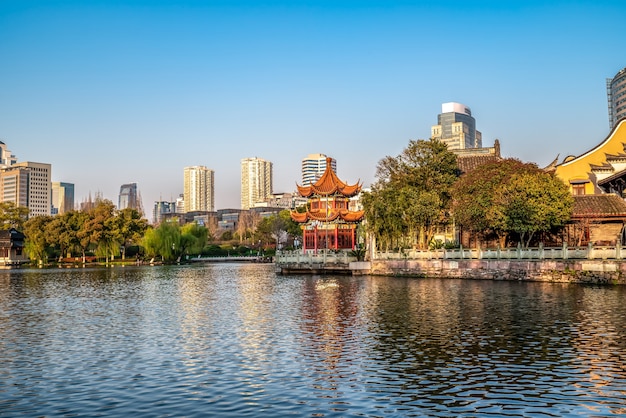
point(238, 340)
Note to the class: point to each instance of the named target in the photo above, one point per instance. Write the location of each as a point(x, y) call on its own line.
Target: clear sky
point(114, 92)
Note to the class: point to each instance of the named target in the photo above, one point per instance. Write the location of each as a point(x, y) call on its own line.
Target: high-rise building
point(161, 209)
point(27, 184)
point(62, 197)
point(456, 127)
point(313, 166)
point(6, 158)
point(199, 189)
point(256, 181)
point(128, 197)
point(616, 93)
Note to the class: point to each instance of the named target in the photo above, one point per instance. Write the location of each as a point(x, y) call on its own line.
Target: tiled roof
point(343, 214)
point(599, 205)
point(328, 185)
point(612, 177)
point(470, 162)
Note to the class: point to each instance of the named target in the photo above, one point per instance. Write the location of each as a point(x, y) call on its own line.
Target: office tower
point(27, 184)
point(161, 209)
point(456, 127)
point(199, 189)
point(313, 166)
point(616, 93)
point(256, 181)
point(128, 197)
point(6, 158)
point(62, 197)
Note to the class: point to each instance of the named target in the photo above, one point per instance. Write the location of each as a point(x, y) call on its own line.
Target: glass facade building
point(457, 127)
point(616, 92)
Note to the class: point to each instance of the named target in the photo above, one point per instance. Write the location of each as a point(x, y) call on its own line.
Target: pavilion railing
point(314, 257)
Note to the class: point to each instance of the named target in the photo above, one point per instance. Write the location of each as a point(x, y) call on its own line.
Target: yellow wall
point(579, 168)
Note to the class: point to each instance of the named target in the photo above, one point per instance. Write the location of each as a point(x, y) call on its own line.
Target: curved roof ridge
point(329, 184)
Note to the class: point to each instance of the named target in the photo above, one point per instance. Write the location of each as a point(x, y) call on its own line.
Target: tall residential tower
point(199, 189)
point(256, 181)
point(456, 127)
point(313, 166)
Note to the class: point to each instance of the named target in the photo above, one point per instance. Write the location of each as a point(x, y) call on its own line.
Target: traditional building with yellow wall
point(599, 170)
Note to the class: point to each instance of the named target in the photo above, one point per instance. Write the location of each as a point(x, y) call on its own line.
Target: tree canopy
point(411, 196)
point(510, 197)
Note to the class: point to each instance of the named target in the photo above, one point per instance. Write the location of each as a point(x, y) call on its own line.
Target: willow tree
point(411, 196)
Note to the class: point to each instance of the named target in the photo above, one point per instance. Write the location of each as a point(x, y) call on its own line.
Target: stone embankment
point(563, 271)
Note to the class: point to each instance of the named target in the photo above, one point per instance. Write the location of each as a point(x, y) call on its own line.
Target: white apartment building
point(313, 166)
point(256, 181)
point(199, 189)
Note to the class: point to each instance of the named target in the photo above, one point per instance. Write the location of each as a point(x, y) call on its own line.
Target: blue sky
point(113, 92)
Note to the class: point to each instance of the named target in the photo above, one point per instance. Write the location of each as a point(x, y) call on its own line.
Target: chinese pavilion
point(328, 222)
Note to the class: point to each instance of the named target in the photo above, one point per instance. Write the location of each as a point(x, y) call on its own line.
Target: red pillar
point(315, 239)
point(336, 236)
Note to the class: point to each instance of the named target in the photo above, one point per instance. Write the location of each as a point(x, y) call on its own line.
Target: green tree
point(496, 199)
point(37, 238)
point(193, 239)
point(128, 228)
point(164, 241)
point(12, 216)
point(412, 194)
point(531, 203)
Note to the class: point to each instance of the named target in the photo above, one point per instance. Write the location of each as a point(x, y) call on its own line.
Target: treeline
point(422, 191)
point(105, 232)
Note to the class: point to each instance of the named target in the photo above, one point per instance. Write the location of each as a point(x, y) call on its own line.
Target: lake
point(238, 340)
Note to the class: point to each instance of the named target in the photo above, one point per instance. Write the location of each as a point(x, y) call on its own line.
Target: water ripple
point(237, 340)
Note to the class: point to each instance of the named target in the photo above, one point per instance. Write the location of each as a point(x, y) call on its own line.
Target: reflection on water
point(237, 340)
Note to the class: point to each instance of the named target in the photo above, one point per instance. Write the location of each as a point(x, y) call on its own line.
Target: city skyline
point(111, 93)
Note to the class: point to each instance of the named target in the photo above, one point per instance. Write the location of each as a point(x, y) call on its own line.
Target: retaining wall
point(572, 271)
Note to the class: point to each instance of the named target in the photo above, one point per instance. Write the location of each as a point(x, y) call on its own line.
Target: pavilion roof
point(332, 215)
point(329, 184)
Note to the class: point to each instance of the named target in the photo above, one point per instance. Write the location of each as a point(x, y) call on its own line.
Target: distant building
point(162, 210)
point(128, 197)
point(256, 181)
point(199, 189)
point(27, 184)
point(62, 197)
point(282, 201)
point(456, 127)
point(616, 94)
point(6, 158)
point(313, 166)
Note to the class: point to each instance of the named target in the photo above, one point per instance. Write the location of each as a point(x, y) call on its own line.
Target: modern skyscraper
point(199, 189)
point(128, 197)
point(313, 166)
point(616, 93)
point(62, 197)
point(456, 127)
point(27, 184)
point(256, 181)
